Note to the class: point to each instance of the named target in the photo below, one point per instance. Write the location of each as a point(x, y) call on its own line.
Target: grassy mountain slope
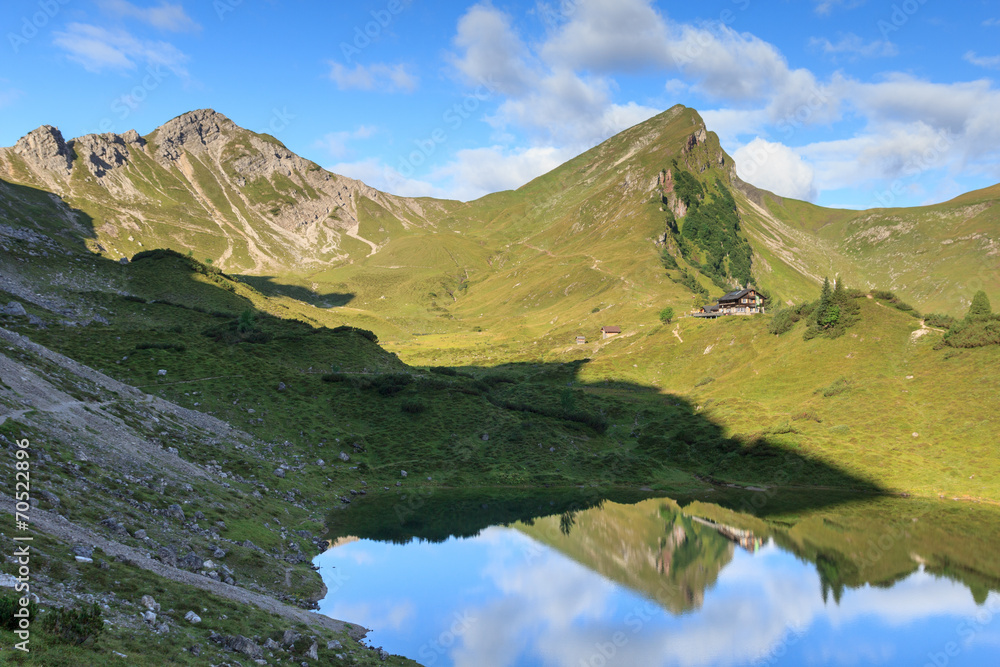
point(934, 256)
point(514, 277)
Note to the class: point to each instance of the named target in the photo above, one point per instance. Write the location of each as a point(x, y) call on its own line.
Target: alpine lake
point(578, 578)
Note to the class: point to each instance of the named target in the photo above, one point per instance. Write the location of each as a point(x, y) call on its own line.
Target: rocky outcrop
point(667, 186)
point(102, 153)
point(193, 131)
point(45, 150)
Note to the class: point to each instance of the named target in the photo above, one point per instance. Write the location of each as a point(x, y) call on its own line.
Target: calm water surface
point(658, 583)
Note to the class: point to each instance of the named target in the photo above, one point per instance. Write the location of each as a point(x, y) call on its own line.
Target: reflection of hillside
point(674, 556)
point(650, 547)
point(878, 542)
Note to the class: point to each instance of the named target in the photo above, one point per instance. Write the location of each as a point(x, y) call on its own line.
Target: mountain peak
point(45, 149)
point(102, 153)
point(193, 131)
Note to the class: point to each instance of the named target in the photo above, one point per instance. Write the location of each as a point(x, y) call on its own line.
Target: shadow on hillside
point(269, 286)
point(35, 210)
point(647, 436)
point(656, 432)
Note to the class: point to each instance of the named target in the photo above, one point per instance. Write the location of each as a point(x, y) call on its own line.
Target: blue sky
point(853, 103)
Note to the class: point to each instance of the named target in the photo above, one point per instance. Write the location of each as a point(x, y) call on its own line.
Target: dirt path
point(923, 325)
point(60, 527)
point(677, 332)
point(353, 233)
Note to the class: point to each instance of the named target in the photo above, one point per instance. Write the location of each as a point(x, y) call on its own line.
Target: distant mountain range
point(590, 230)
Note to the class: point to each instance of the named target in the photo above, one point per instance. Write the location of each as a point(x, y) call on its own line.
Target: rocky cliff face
point(193, 132)
point(45, 150)
point(202, 176)
point(102, 153)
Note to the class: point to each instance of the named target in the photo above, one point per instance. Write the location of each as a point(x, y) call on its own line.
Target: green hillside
point(653, 217)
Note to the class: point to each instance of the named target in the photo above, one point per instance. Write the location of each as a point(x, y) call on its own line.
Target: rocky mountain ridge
point(271, 206)
point(202, 184)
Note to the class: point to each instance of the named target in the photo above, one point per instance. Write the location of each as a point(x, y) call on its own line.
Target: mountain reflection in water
point(666, 582)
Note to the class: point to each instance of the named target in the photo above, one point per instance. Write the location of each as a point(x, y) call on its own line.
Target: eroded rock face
point(45, 149)
point(193, 131)
point(105, 152)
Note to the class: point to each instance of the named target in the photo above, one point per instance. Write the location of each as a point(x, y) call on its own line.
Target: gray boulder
point(313, 652)
point(192, 617)
point(176, 512)
point(149, 603)
point(168, 556)
point(83, 551)
point(344, 457)
point(14, 309)
point(244, 645)
point(191, 562)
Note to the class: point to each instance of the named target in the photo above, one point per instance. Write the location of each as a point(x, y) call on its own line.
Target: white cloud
point(99, 49)
point(492, 52)
point(165, 16)
point(775, 167)
point(963, 108)
point(471, 174)
point(851, 47)
point(989, 62)
point(480, 171)
point(543, 97)
point(826, 7)
point(610, 36)
point(991, 22)
point(730, 124)
point(898, 151)
point(379, 76)
point(387, 179)
point(335, 143)
point(383, 614)
point(560, 92)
